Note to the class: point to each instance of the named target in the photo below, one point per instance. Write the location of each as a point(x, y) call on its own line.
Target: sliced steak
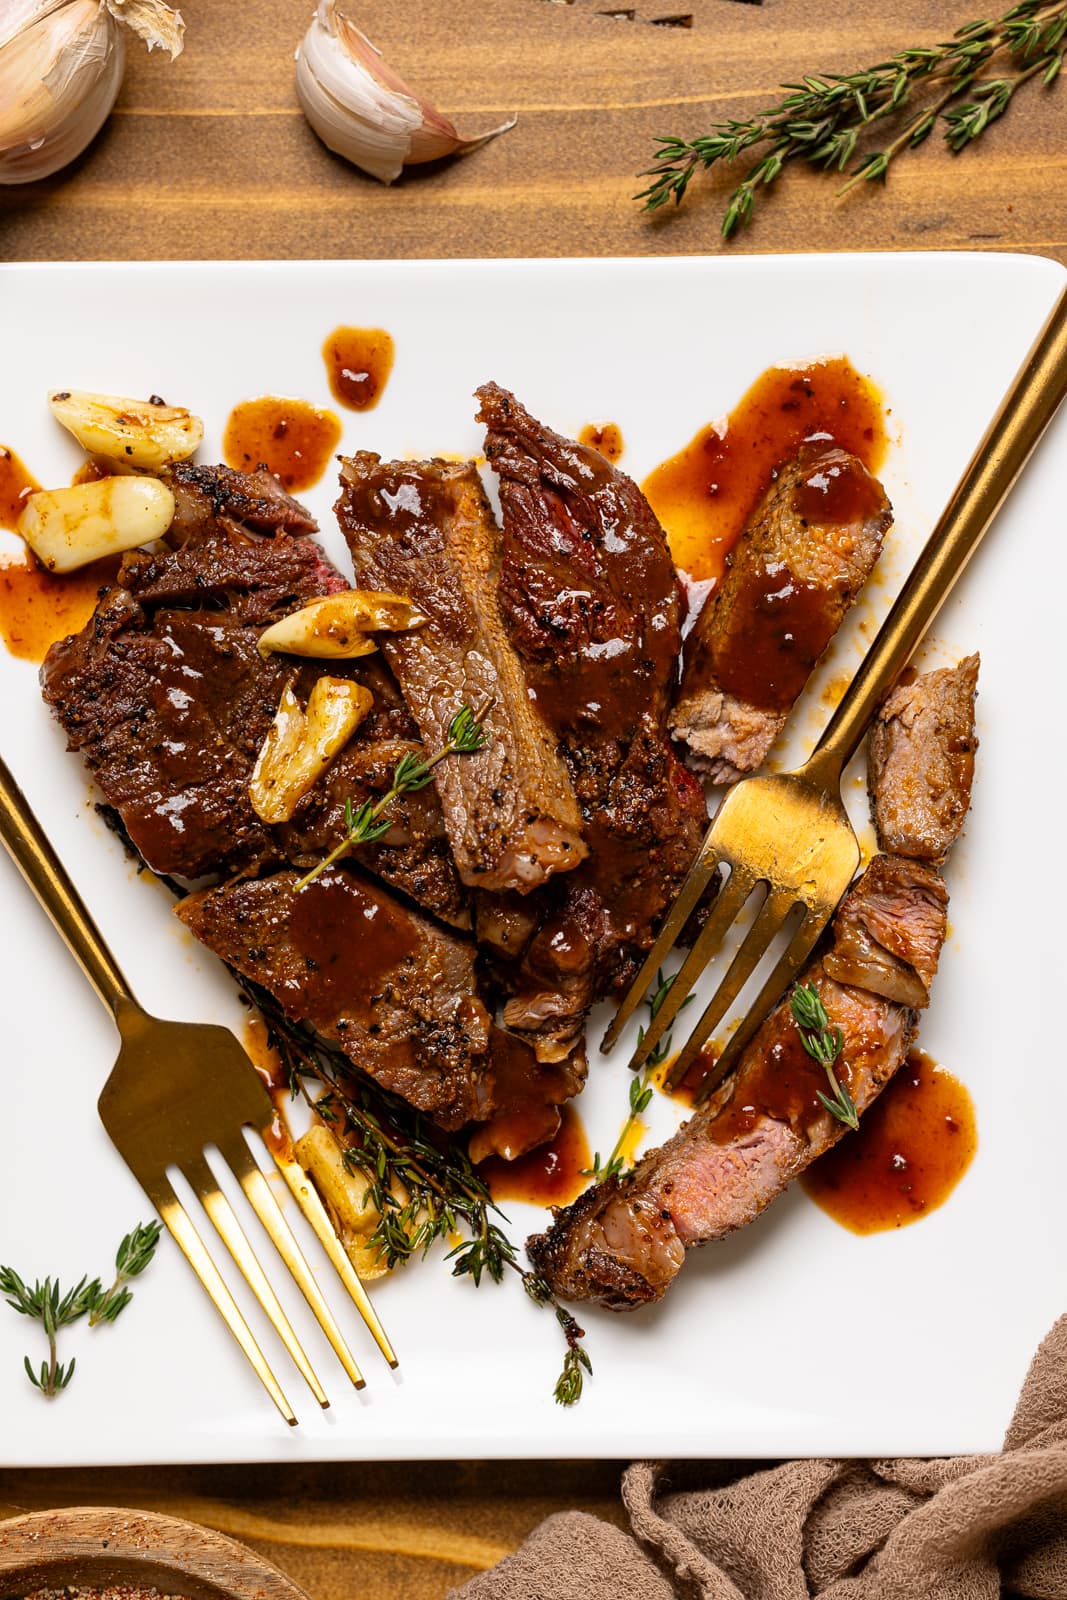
point(920, 761)
point(793, 574)
point(212, 496)
point(526, 1097)
point(591, 603)
point(623, 1241)
point(168, 700)
point(424, 529)
point(391, 988)
point(888, 938)
point(413, 856)
point(169, 707)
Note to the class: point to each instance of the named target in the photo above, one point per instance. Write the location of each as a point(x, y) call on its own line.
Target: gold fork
point(176, 1090)
point(789, 832)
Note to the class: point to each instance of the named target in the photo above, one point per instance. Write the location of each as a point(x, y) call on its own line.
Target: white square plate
point(793, 1336)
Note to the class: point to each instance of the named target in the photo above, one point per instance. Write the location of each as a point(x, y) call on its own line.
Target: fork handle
point(47, 877)
point(1024, 414)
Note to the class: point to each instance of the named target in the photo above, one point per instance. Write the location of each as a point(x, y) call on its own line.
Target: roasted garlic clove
point(361, 109)
point(140, 433)
point(337, 625)
point(300, 745)
point(68, 528)
point(346, 1197)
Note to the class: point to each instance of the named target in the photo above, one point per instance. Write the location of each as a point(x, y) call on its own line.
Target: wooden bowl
point(95, 1546)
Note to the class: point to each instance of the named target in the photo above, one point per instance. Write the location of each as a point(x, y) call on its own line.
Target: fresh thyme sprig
point(131, 1258)
point(640, 1085)
point(424, 1190)
point(466, 735)
point(823, 1043)
point(53, 1309)
point(822, 118)
point(47, 1304)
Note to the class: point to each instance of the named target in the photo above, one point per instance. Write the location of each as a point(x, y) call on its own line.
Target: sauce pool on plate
point(912, 1148)
point(358, 364)
point(38, 607)
point(16, 484)
point(551, 1175)
point(705, 494)
point(604, 437)
point(291, 438)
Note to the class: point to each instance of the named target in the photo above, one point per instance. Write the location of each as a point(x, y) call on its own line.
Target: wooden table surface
point(212, 158)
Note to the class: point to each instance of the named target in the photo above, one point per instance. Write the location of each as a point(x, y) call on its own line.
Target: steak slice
point(424, 529)
point(169, 709)
point(888, 939)
point(920, 761)
point(413, 855)
point(391, 988)
point(793, 574)
point(623, 1241)
point(168, 700)
point(209, 497)
point(591, 602)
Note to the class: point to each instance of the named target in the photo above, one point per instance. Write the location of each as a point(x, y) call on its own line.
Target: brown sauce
point(605, 437)
point(351, 938)
point(782, 1083)
point(706, 493)
point(552, 1175)
point(912, 1149)
point(16, 484)
point(787, 624)
point(358, 364)
point(292, 438)
point(268, 1065)
point(685, 1092)
point(38, 607)
point(90, 472)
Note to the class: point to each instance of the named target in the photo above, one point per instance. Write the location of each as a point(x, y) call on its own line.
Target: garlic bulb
point(362, 110)
point(61, 66)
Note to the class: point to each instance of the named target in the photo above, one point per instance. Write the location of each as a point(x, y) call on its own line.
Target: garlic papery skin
point(362, 110)
point(61, 67)
point(59, 77)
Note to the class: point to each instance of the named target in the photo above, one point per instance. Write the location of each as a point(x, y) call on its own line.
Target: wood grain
point(87, 1547)
point(382, 1531)
point(211, 158)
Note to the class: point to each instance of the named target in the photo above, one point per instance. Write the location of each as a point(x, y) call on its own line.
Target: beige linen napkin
point(969, 1528)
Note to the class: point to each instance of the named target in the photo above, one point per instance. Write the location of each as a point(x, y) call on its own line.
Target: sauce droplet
point(706, 493)
point(358, 364)
point(912, 1149)
point(605, 437)
point(292, 438)
point(551, 1175)
point(16, 484)
point(38, 607)
point(268, 1065)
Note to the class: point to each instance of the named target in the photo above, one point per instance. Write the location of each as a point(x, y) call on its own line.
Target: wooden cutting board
point(211, 157)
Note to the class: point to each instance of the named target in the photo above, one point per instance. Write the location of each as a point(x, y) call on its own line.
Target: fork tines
point(256, 1188)
point(779, 907)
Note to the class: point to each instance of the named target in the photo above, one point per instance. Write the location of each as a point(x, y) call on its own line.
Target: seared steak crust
point(169, 709)
point(392, 989)
point(209, 496)
point(165, 695)
point(790, 579)
point(591, 602)
point(920, 761)
point(424, 529)
point(623, 1241)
